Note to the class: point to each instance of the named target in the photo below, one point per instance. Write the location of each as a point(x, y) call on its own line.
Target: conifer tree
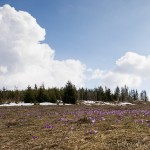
point(100, 93)
point(29, 96)
point(42, 96)
point(143, 96)
point(108, 94)
point(69, 93)
point(117, 94)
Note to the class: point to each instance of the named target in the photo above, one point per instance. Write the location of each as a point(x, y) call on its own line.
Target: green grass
point(75, 127)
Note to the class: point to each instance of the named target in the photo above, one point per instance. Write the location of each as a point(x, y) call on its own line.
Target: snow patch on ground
point(106, 103)
point(47, 103)
point(17, 104)
point(30, 104)
point(125, 103)
point(90, 102)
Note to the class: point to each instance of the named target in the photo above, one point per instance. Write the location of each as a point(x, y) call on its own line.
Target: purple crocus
point(92, 131)
point(48, 126)
point(34, 137)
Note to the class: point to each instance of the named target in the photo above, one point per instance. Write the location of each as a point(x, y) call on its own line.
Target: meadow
point(75, 127)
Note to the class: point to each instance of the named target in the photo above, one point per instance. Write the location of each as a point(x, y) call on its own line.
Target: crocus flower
point(34, 137)
point(48, 126)
point(92, 131)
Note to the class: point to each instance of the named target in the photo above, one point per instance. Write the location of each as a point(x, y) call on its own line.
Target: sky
point(89, 42)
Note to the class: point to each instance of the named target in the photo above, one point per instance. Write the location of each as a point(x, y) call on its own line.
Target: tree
point(69, 94)
point(81, 94)
point(108, 94)
point(29, 96)
point(124, 93)
point(52, 94)
point(117, 94)
point(134, 95)
point(42, 96)
point(100, 93)
point(35, 87)
point(85, 96)
point(143, 96)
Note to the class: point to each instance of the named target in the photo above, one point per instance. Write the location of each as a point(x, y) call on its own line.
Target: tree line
point(70, 94)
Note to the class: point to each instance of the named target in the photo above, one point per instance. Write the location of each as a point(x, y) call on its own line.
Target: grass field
point(75, 127)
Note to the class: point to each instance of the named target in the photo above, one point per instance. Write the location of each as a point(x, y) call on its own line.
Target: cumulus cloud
point(3, 69)
point(24, 60)
point(134, 63)
point(131, 69)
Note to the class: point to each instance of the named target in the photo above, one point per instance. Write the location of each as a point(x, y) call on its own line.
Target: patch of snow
point(30, 104)
point(18, 104)
point(84, 102)
point(124, 103)
point(88, 102)
point(106, 103)
point(47, 103)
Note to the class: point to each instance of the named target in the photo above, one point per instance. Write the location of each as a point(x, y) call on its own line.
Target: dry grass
point(75, 127)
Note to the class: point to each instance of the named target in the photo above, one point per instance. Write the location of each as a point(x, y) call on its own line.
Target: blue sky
point(95, 32)
point(98, 33)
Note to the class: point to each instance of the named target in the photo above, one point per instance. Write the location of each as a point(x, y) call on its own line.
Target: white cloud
point(112, 79)
point(134, 63)
point(97, 74)
point(3, 69)
point(131, 69)
point(24, 60)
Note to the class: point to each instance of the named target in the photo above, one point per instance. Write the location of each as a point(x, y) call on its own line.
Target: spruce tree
point(29, 95)
point(100, 93)
point(108, 94)
point(42, 96)
point(117, 94)
point(69, 93)
point(143, 96)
